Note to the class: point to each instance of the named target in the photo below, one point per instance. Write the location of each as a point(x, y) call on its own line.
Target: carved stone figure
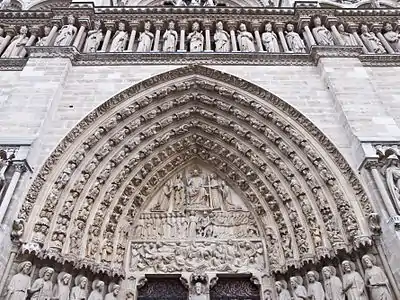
point(79, 291)
point(44, 40)
point(393, 37)
point(113, 291)
point(5, 4)
point(179, 3)
point(195, 190)
point(94, 37)
point(1, 34)
point(17, 229)
point(196, 38)
point(170, 38)
point(315, 290)
point(145, 39)
point(269, 39)
point(42, 288)
point(61, 290)
point(392, 174)
point(97, 292)
point(163, 201)
point(221, 38)
point(370, 40)
point(67, 33)
point(214, 192)
point(294, 41)
point(281, 290)
point(245, 39)
point(333, 285)
point(347, 38)
point(195, 3)
point(17, 44)
point(323, 36)
point(376, 280)
point(299, 291)
point(199, 293)
point(20, 283)
point(120, 39)
point(353, 284)
point(178, 192)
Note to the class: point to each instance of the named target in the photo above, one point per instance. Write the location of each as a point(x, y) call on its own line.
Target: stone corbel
point(331, 22)
point(377, 28)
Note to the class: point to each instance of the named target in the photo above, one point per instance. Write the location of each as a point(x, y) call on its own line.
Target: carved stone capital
point(11, 30)
point(395, 220)
point(134, 24)
point(207, 24)
point(183, 24)
point(84, 21)
point(35, 30)
point(20, 168)
point(110, 25)
point(352, 27)
point(255, 25)
point(376, 27)
point(232, 25)
point(158, 25)
point(331, 20)
point(56, 21)
point(303, 22)
point(279, 26)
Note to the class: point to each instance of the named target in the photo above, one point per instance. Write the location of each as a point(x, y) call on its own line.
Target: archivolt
point(308, 201)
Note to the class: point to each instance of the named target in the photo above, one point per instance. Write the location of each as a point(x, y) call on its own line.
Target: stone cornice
point(12, 64)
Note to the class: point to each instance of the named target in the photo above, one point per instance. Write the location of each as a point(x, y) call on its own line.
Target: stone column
point(376, 28)
point(110, 26)
point(182, 39)
point(85, 22)
point(279, 28)
point(158, 25)
point(353, 29)
point(207, 27)
point(387, 203)
point(256, 29)
point(232, 31)
point(10, 262)
point(134, 26)
point(10, 32)
point(53, 32)
point(304, 23)
point(34, 30)
point(332, 21)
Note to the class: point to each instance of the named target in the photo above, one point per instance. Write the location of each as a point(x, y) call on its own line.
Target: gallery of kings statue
point(204, 150)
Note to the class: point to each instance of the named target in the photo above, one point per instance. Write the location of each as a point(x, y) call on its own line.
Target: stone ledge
point(12, 64)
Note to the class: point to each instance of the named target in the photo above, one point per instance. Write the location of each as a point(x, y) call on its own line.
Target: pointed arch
point(307, 201)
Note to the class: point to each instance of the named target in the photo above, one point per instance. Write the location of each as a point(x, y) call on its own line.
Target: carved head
point(46, 30)
point(311, 277)
point(83, 282)
point(47, 274)
point(23, 30)
point(97, 24)
point(387, 27)
point(116, 289)
point(121, 26)
point(99, 286)
point(219, 25)
point(25, 267)
point(147, 25)
point(171, 25)
point(71, 20)
point(242, 27)
point(340, 27)
point(294, 282)
point(346, 266)
point(317, 21)
point(367, 261)
point(198, 288)
point(66, 279)
point(196, 26)
point(364, 28)
point(278, 286)
point(268, 27)
point(289, 27)
point(326, 272)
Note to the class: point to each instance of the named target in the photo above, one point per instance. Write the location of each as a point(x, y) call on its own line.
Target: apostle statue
point(17, 44)
point(79, 291)
point(333, 285)
point(178, 192)
point(213, 188)
point(145, 38)
point(370, 40)
point(196, 38)
point(269, 39)
point(245, 39)
point(281, 290)
point(353, 284)
point(392, 174)
point(347, 38)
point(299, 291)
point(113, 291)
point(221, 38)
point(393, 37)
point(20, 283)
point(163, 201)
point(294, 41)
point(97, 292)
point(170, 38)
point(376, 280)
point(67, 33)
point(323, 36)
point(315, 290)
point(120, 39)
point(61, 290)
point(94, 38)
point(42, 288)
point(44, 40)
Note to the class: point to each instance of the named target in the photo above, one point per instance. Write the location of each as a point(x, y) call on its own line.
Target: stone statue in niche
point(164, 199)
point(198, 292)
point(145, 38)
point(196, 38)
point(299, 291)
point(61, 290)
point(195, 190)
point(113, 291)
point(245, 39)
point(42, 288)
point(170, 38)
point(323, 36)
point(353, 284)
point(44, 40)
point(370, 40)
point(315, 290)
point(269, 39)
point(20, 283)
point(17, 44)
point(178, 192)
point(120, 39)
point(67, 33)
point(214, 192)
point(347, 38)
point(282, 291)
point(221, 38)
point(97, 292)
point(94, 38)
point(79, 291)
point(333, 285)
point(376, 280)
point(392, 174)
point(294, 41)
point(393, 37)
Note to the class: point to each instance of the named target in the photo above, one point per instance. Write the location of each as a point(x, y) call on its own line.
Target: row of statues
point(222, 40)
point(351, 287)
point(20, 286)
